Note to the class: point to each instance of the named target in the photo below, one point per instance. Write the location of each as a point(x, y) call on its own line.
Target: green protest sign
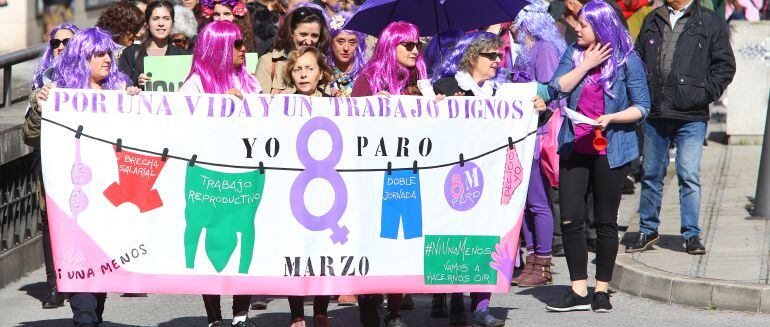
point(169, 72)
point(459, 259)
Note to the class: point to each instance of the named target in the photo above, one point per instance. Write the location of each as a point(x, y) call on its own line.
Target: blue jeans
point(688, 137)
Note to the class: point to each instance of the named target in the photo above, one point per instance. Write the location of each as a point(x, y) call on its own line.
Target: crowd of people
point(644, 95)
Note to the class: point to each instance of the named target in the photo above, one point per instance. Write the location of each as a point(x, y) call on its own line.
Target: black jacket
point(702, 67)
point(132, 60)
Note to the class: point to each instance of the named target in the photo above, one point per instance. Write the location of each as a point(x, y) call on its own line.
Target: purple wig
point(46, 60)
point(213, 59)
point(359, 56)
point(451, 63)
point(534, 22)
point(608, 29)
point(72, 68)
point(439, 48)
point(383, 70)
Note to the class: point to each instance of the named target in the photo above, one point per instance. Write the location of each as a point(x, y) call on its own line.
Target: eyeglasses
point(492, 55)
point(307, 11)
point(56, 42)
point(409, 46)
point(180, 42)
point(238, 44)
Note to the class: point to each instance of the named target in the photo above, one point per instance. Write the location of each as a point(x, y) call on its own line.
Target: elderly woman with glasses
point(471, 70)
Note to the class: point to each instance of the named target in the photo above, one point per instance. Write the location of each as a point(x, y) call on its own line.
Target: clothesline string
point(261, 167)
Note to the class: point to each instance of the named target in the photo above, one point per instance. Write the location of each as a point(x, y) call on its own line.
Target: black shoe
point(54, 299)
point(571, 302)
point(643, 243)
point(601, 303)
point(394, 320)
point(217, 323)
point(407, 303)
point(438, 307)
point(247, 323)
point(258, 305)
point(694, 246)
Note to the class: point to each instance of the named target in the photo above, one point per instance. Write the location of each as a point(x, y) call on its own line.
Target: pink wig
point(213, 60)
point(383, 70)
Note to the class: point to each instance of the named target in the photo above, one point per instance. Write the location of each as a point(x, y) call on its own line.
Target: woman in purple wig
point(602, 78)
point(44, 74)
point(219, 66)
point(87, 63)
point(219, 63)
point(60, 36)
point(346, 55)
point(396, 64)
point(394, 68)
point(540, 46)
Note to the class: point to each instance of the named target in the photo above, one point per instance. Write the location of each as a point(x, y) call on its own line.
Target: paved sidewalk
point(734, 272)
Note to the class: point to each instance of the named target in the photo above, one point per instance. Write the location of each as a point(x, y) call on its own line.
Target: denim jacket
point(630, 89)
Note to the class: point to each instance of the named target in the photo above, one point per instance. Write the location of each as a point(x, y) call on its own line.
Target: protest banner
point(285, 195)
point(170, 72)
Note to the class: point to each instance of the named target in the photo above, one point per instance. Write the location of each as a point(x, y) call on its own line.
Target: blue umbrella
point(434, 16)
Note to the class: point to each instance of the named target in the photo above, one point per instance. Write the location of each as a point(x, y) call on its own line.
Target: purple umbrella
point(434, 16)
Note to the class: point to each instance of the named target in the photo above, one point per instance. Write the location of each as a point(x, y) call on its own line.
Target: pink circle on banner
point(463, 186)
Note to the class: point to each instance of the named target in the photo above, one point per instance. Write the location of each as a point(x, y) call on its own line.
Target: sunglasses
point(409, 46)
point(180, 42)
point(56, 42)
point(491, 55)
point(238, 44)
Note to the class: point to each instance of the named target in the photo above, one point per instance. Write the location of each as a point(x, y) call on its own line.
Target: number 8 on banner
point(323, 169)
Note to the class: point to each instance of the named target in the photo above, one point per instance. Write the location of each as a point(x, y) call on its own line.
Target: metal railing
point(6, 64)
point(19, 210)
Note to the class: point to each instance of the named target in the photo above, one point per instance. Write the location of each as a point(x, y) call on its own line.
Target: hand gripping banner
point(285, 195)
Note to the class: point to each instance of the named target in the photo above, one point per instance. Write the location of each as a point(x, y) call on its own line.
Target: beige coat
point(270, 73)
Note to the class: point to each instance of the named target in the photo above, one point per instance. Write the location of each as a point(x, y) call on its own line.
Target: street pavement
point(20, 306)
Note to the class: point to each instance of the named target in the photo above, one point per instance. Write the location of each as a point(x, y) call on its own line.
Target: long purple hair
point(213, 59)
point(439, 49)
point(383, 70)
point(359, 56)
point(451, 64)
point(46, 60)
point(72, 68)
point(535, 22)
point(608, 29)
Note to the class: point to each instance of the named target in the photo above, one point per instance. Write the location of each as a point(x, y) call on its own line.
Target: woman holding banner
point(87, 63)
point(44, 74)
point(304, 26)
point(219, 61)
point(394, 68)
point(159, 17)
point(602, 78)
point(306, 70)
point(472, 70)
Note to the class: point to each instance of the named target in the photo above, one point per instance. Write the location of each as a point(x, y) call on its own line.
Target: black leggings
point(214, 308)
point(578, 177)
point(297, 303)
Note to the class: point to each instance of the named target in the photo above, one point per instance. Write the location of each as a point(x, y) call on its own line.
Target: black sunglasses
point(491, 55)
point(238, 44)
point(409, 46)
point(56, 42)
